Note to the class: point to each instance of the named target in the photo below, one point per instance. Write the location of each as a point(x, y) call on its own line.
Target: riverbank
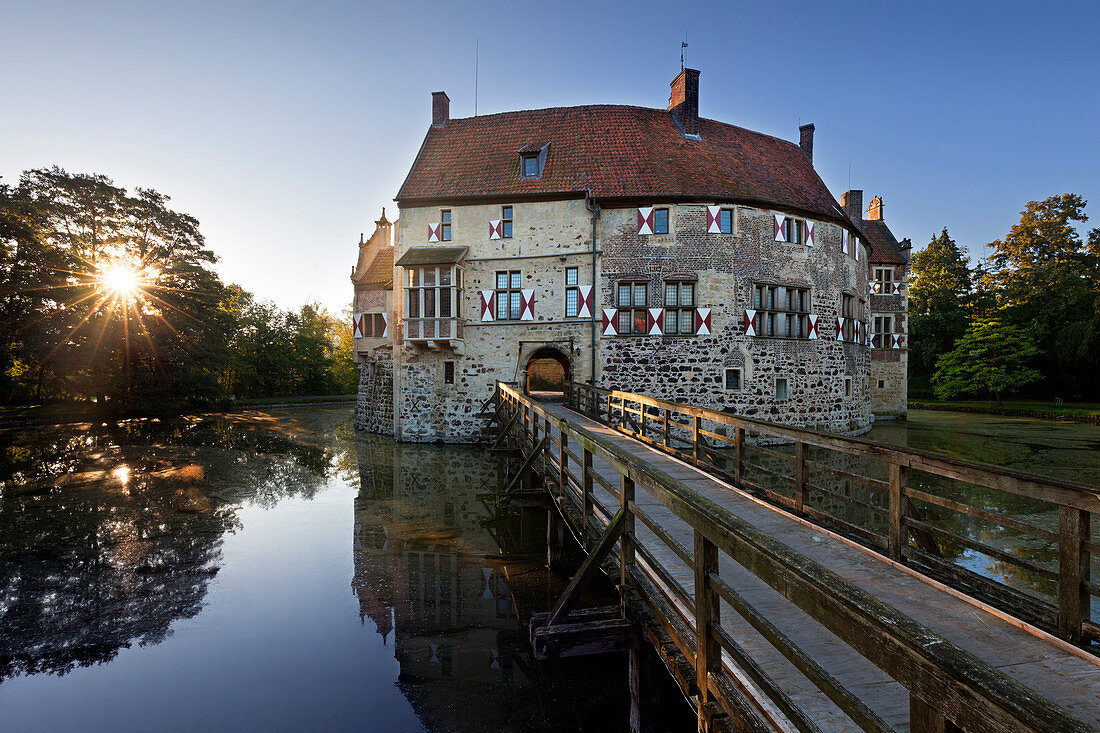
point(1086, 412)
point(18, 416)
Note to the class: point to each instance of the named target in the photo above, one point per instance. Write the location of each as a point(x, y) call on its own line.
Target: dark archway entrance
point(548, 370)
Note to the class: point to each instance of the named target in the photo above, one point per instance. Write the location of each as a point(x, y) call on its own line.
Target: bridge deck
point(1063, 674)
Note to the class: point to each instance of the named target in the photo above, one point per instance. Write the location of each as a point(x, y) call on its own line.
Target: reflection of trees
point(451, 578)
point(110, 533)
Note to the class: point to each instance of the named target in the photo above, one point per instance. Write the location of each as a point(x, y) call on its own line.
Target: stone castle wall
point(691, 369)
point(547, 238)
point(374, 402)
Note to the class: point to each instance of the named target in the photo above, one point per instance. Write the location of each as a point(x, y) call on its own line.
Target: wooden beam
point(588, 637)
point(526, 467)
point(589, 568)
point(506, 430)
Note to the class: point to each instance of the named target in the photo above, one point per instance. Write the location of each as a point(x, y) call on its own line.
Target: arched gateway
point(547, 370)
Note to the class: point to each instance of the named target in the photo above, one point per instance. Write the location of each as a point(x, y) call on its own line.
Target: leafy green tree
point(990, 358)
point(939, 301)
point(138, 322)
point(1046, 279)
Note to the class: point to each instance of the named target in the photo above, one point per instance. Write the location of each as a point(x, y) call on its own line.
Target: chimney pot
point(683, 102)
point(441, 108)
point(806, 141)
point(852, 203)
point(874, 211)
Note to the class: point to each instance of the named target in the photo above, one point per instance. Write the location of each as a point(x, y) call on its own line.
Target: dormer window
point(530, 166)
point(532, 160)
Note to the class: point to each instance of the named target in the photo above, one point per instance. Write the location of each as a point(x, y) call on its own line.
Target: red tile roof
point(884, 246)
point(617, 152)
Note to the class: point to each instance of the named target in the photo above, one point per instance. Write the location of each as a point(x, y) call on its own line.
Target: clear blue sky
point(286, 126)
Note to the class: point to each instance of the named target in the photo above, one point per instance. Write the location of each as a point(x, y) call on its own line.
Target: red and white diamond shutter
point(750, 322)
point(645, 220)
point(487, 305)
point(809, 234)
point(385, 325)
point(896, 341)
point(609, 315)
point(357, 322)
point(813, 327)
point(433, 232)
point(714, 220)
point(840, 328)
point(656, 324)
point(584, 302)
point(527, 312)
point(780, 230)
point(702, 321)
point(494, 229)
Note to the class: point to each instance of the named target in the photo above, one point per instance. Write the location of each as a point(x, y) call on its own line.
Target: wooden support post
point(609, 420)
point(799, 475)
point(739, 449)
point(708, 656)
point(1073, 571)
point(641, 419)
point(664, 419)
point(645, 690)
point(555, 537)
point(626, 545)
point(898, 531)
point(695, 447)
point(586, 498)
point(563, 461)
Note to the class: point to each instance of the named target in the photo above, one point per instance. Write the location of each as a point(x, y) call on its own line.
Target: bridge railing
point(944, 681)
point(931, 511)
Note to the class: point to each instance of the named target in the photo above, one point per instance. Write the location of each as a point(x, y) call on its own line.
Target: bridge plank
point(1033, 659)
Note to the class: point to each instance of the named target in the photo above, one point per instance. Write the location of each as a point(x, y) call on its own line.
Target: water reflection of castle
point(431, 575)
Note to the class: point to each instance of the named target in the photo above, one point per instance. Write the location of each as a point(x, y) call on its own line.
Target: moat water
point(276, 571)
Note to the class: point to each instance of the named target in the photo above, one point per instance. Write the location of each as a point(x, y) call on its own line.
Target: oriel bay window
point(632, 299)
point(509, 296)
point(782, 311)
point(679, 308)
point(432, 300)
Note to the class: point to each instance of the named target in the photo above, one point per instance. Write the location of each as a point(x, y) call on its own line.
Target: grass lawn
point(1013, 407)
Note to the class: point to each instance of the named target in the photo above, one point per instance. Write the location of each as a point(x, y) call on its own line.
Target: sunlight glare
point(120, 279)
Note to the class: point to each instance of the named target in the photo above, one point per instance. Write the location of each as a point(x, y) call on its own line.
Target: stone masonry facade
point(471, 301)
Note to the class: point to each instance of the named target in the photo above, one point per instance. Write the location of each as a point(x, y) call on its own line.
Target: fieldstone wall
point(827, 380)
point(374, 403)
point(890, 370)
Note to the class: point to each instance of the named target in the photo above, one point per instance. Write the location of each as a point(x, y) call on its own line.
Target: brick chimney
point(806, 141)
point(441, 108)
point(683, 102)
point(874, 211)
point(852, 202)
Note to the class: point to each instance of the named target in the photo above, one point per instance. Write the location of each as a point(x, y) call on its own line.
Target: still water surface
point(273, 571)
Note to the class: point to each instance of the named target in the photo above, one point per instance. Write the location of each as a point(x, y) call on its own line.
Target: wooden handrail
point(1074, 502)
point(968, 691)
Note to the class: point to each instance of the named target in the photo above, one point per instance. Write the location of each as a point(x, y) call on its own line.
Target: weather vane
point(683, 45)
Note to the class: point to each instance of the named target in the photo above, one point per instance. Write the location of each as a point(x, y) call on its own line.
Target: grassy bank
point(1043, 409)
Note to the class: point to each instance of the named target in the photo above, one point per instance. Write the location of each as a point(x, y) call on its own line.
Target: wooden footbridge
point(792, 580)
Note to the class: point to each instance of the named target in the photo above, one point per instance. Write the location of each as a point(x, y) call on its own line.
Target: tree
point(990, 358)
point(939, 303)
point(131, 307)
point(1046, 279)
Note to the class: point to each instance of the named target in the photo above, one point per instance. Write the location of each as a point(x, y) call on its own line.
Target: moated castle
point(649, 250)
